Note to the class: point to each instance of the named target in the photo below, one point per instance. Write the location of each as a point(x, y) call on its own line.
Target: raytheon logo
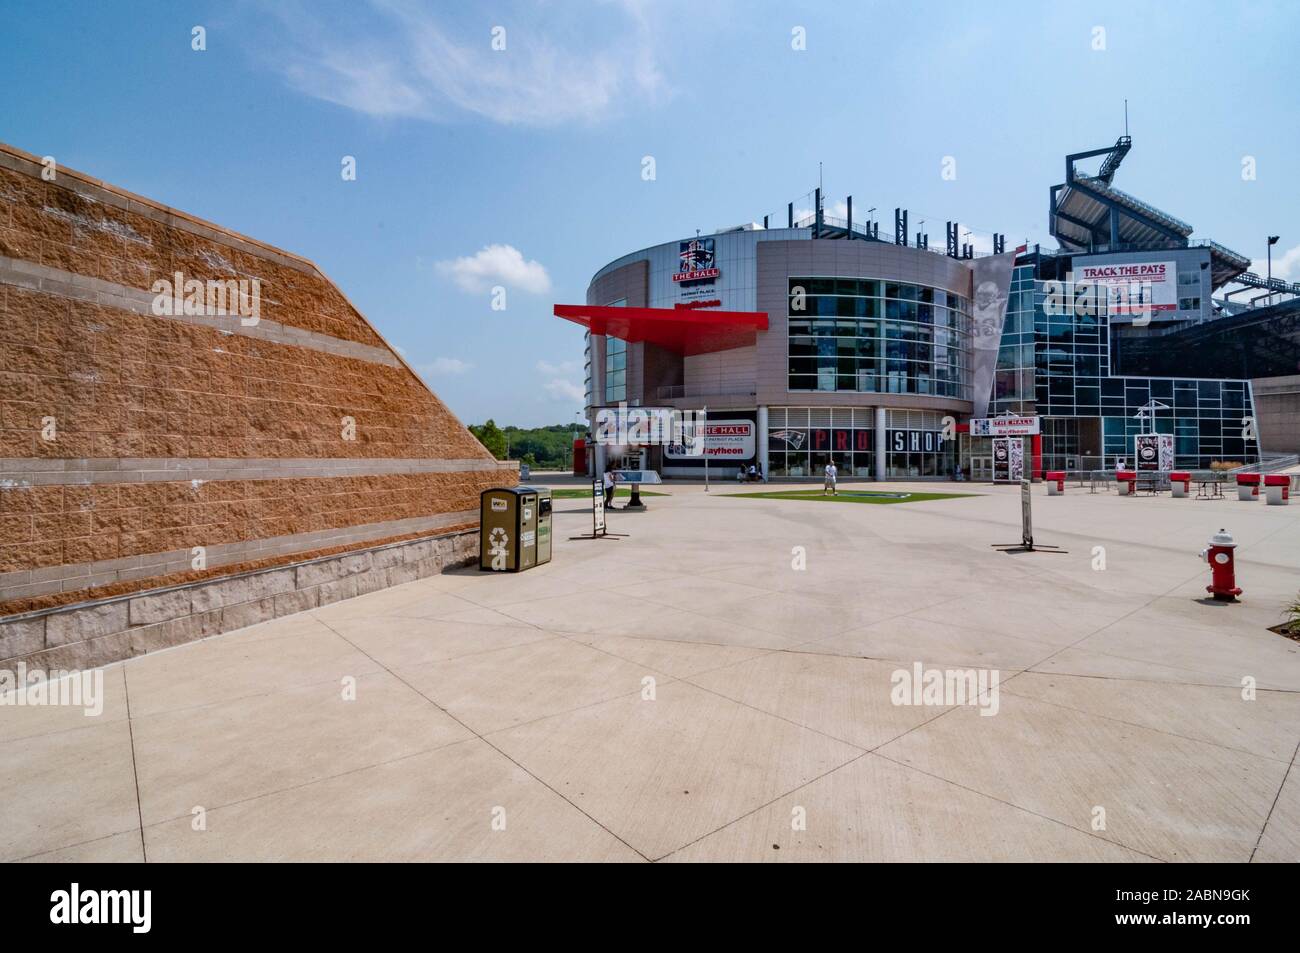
point(77, 906)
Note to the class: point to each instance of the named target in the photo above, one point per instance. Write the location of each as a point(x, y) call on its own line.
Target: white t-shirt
point(609, 479)
point(830, 471)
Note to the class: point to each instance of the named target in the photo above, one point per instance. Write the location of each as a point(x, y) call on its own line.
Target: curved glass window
point(867, 335)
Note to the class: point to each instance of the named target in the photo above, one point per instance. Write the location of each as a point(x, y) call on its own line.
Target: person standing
point(609, 486)
point(831, 474)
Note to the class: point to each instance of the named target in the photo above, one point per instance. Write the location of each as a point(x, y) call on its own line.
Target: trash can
point(514, 528)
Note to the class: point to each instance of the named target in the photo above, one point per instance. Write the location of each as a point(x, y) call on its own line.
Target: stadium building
point(828, 340)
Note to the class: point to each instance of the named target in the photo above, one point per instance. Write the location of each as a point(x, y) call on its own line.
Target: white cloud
point(445, 367)
point(400, 59)
point(558, 370)
point(1286, 265)
point(565, 390)
point(496, 265)
point(561, 384)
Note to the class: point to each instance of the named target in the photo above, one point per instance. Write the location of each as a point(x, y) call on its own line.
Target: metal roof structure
point(1089, 214)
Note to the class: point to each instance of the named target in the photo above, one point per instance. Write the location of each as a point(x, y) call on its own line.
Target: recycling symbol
point(497, 540)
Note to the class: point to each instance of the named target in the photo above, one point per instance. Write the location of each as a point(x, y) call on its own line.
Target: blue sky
point(522, 167)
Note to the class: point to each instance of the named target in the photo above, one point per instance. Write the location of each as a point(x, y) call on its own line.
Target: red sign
point(701, 275)
point(687, 305)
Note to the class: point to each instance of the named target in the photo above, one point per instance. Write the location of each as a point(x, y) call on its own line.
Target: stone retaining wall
point(90, 634)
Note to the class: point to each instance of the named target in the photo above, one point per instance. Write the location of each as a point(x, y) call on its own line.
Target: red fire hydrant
point(1223, 576)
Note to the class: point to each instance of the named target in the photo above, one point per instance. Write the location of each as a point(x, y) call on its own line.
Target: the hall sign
point(914, 441)
point(1005, 426)
point(695, 261)
point(723, 440)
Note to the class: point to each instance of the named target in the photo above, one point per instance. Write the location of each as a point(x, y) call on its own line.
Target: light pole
point(1272, 240)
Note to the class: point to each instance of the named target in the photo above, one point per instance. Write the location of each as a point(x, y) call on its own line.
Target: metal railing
point(683, 391)
point(859, 229)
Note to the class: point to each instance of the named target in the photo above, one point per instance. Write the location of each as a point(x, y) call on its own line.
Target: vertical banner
point(1026, 514)
point(1146, 449)
point(1166, 452)
point(991, 285)
point(1001, 459)
point(597, 505)
point(1008, 459)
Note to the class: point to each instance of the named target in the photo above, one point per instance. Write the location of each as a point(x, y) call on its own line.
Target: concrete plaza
point(688, 694)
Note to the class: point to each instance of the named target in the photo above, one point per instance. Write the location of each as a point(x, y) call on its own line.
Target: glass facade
point(1058, 366)
point(801, 440)
point(871, 336)
point(615, 370)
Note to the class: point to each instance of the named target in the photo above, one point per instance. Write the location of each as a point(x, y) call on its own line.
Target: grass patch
point(852, 496)
point(582, 493)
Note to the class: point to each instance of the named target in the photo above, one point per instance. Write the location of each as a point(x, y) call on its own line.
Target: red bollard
point(1223, 575)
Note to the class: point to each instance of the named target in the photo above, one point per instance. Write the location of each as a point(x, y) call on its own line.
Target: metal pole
point(704, 440)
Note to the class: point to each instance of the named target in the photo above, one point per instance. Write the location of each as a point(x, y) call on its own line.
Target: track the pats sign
point(1136, 287)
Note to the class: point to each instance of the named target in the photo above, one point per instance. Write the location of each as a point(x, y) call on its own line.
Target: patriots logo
point(792, 438)
point(695, 255)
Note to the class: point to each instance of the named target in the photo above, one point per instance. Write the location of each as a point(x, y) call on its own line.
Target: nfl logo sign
point(695, 261)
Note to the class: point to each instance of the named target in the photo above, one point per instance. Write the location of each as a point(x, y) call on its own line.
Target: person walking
point(609, 486)
point(831, 474)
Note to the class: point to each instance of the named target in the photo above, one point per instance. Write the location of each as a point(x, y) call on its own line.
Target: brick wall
point(132, 432)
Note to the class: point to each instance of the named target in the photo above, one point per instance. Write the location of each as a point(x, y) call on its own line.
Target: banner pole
point(704, 447)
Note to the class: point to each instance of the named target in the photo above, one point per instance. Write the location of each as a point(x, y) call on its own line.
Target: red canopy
point(682, 330)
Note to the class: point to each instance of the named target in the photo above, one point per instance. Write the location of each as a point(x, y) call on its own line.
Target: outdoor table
point(1149, 485)
point(1209, 488)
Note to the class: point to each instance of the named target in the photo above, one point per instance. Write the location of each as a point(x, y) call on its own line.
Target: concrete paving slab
point(490, 691)
point(1280, 841)
point(1041, 613)
point(402, 643)
point(907, 639)
point(551, 663)
point(678, 659)
point(1267, 725)
point(126, 848)
point(30, 720)
point(794, 617)
point(1165, 796)
point(227, 752)
point(661, 774)
point(1073, 661)
point(436, 806)
point(1273, 661)
point(875, 810)
point(66, 788)
point(845, 698)
point(221, 669)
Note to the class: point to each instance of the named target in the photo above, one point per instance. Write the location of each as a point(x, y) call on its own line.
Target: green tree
point(491, 436)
